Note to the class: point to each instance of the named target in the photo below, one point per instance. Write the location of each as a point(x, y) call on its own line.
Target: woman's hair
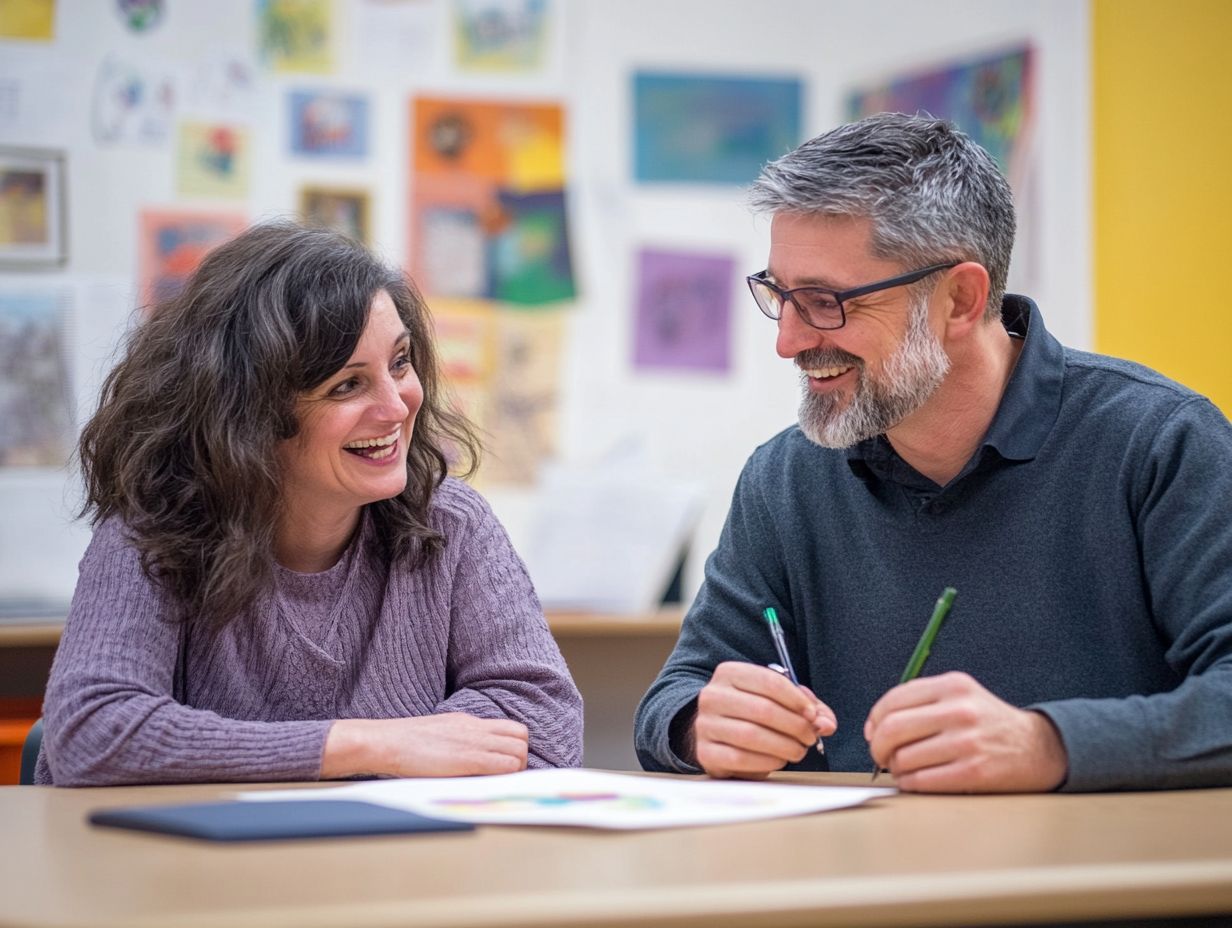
point(183, 446)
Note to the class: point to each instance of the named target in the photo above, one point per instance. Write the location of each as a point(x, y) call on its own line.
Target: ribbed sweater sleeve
point(502, 659)
point(110, 716)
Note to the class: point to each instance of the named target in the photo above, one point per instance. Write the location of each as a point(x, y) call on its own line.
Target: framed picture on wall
point(33, 230)
point(343, 210)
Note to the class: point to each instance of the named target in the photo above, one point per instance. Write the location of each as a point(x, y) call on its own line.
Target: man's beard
point(910, 376)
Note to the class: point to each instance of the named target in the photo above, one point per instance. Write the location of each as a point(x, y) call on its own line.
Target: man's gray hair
point(933, 195)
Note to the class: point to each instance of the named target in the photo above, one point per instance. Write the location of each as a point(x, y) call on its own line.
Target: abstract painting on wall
point(172, 244)
point(704, 129)
point(488, 216)
point(683, 317)
point(37, 423)
point(991, 98)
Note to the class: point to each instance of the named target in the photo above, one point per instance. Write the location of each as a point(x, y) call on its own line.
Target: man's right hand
point(752, 721)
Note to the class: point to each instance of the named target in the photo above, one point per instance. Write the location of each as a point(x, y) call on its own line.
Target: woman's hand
point(449, 745)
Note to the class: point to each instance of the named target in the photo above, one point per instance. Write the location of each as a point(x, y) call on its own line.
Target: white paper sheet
point(590, 799)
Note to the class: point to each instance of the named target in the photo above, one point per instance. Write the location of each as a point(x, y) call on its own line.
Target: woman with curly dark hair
point(283, 582)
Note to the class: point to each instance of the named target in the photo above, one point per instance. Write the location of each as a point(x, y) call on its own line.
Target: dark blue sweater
point(1089, 538)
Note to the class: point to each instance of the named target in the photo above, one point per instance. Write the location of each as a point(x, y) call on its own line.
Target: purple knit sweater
point(365, 639)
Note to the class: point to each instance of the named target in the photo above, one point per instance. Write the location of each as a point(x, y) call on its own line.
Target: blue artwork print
point(711, 130)
point(329, 124)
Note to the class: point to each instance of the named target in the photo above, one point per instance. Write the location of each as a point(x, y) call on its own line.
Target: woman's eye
point(402, 364)
point(344, 388)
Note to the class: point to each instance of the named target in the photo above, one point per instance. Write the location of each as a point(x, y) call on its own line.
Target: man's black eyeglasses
point(822, 308)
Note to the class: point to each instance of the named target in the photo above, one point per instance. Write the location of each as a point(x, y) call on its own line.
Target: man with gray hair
point(1080, 504)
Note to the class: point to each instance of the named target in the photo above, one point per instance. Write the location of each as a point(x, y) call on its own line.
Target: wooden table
point(898, 861)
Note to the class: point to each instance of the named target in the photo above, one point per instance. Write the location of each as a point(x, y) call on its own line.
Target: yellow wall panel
point(1162, 184)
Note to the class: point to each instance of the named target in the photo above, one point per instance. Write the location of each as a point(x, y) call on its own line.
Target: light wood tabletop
point(898, 861)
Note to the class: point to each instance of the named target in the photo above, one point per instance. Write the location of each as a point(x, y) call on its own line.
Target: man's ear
point(965, 290)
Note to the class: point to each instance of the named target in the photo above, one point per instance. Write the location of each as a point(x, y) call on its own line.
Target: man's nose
point(795, 335)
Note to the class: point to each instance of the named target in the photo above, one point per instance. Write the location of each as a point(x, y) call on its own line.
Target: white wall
point(701, 426)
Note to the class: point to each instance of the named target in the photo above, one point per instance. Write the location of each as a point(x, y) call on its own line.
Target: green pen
point(925, 644)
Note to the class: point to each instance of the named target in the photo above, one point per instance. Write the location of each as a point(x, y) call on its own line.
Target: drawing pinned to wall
point(396, 38)
point(488, 210)
point(523, 397)
point(172, 244)
point(500, 35)
point(132, 103)
point(328, 124)
point(683, 317)
point(32, 207)
point(213, 161)
point(140, 15)
point(297, 35)
point(992, 99)
point(696, 128)
point(344, 210)
point(466, 350)
point(222, 86)
point(28, 19)
point(37, 421)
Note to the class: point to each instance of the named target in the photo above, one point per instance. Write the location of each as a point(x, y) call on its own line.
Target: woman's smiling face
point(355, 426)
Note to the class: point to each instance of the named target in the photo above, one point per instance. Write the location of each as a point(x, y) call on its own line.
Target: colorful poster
point(133, 103)
point(488, 213)
point(328, 124)
point(500, 35)
point(28, 19)
point(213, 161)
point(297, 35)
point(172, 244)
point(702, 129)
point(990, 98)
point(683, 315)
point(344, 210)
point(37, 420)
point(32, 207)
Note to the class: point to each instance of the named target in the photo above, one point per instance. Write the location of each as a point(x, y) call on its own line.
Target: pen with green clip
point(925, 644)
point(784, 665)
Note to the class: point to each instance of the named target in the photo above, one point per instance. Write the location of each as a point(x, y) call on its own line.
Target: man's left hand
point(947, 734)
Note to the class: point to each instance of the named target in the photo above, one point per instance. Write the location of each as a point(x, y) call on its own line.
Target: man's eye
point(816, 300)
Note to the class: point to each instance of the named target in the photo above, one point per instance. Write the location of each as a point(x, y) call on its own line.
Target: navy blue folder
point(261, 821)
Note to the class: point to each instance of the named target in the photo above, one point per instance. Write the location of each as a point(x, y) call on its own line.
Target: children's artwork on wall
point(132, 103)
point(488, 217)
point(140, 15)
point(344, 210)
point(222, 87)
point(397, 39)
point(524, 396)
point(466, 352)
point(32, 207)
point(696, 128)
point(213, 161)
point(329, 124)
point(991, 98)
point(28, 19)
point(172, 244)
point(500, 35)
point(37, 420)
point(297, 35)
point(683, 317)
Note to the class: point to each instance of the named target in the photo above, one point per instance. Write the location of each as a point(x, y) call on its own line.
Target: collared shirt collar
point(1031, 401)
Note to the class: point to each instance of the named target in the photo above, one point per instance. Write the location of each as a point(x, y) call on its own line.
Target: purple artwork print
point(683, 315)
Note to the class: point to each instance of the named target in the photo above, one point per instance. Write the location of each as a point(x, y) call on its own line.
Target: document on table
point(589, 799)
